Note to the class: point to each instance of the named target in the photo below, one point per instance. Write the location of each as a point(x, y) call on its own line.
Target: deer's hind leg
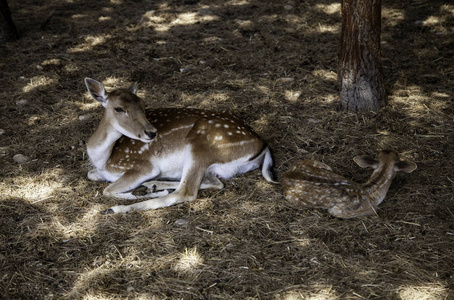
point(209, 181)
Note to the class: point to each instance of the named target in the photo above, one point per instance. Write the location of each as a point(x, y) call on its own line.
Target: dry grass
point(273, 65)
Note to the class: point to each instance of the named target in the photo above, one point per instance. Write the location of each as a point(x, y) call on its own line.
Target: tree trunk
point(7, 29)
point(360, 71)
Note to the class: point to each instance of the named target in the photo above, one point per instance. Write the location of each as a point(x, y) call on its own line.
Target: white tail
point(181, 149)
point(313, 184)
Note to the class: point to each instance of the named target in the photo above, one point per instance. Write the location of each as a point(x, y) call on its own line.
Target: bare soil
point(272, 63)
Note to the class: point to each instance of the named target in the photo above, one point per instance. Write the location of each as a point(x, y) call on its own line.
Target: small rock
point(21, 102)
point(2, 131)
point(130, 289)
point(181, 222)
point(185, 70)
point(21, 159)
point(84, 117)
point(288, 7)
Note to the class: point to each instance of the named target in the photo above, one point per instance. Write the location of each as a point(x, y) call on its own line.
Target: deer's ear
point(365, 161)
point(97, 90)
point(133, 88)
point(405, 166)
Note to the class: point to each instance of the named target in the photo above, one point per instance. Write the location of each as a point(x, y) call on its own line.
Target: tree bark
point(360, 71)
point(8, 31)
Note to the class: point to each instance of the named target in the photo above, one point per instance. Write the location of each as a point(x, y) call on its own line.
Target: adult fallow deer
point(181, 149)
point(312, 183)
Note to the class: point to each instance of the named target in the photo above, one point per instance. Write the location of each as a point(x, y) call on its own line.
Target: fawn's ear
point(97, 90)
point(405, 166)
point(133, 88)
point(365, 161)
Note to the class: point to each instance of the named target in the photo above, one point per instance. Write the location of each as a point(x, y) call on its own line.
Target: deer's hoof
point(108, 211)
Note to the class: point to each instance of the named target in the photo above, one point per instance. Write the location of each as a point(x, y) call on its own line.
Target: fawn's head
point(385, 158)
point(124, 111)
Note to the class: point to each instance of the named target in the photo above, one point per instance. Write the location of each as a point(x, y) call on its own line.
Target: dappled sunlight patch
point(163, 23)
point(251, 208)
point(331, 98)
point(113, 82)
point(327, 75)
point(52, 61)
point(150, 18)
point(188, 261)
point(410, 97)
point(330, 9)
point(263, 122)
point(325, 28)
point(104, 18)
point(303, 242)
point(65, 231)
point(311, 292)
point(106, 296)
point(71, 67)
point(238, 2)
point(89, 43)
point(78, 16)
point(292, 96)
point(85, 225)
point(417, 103)
point(87, 106)
point(212, 39)
point(96, 296)
point(244, 23)
point(87, 279)
point(38, 82)
point(32, 188)
point(448, 9)
point(438, 22)
point(219, 97)
point(423, 292)
point(33, 120)
point(204, 101)
point(431, 20)
point(192, 18)
point(186, 99)
point(263, 184)
point(392, 16)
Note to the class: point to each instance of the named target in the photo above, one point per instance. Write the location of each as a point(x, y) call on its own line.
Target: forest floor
point(274, 64)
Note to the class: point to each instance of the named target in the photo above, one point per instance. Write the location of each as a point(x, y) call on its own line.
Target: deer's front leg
point(131, 179)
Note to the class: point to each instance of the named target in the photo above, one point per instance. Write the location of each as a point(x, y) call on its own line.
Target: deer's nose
point(150, 134)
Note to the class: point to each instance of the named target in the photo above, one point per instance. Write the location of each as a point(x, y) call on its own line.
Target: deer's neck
point(101, 143)
point(378, 184)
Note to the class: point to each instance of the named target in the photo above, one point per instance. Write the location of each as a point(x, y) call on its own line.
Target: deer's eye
point(119, 110)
